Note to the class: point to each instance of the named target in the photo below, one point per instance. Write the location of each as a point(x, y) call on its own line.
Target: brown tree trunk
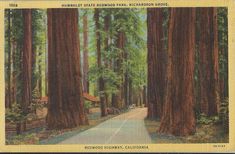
point(27, 60)
point(46, 58)
point(140, 96)
point(14, 72)
point(101, 80)
point(130, 92)
point(8, 90)
point(66, 104)
point(120, 45)
point(126, 91)
point(156, 62)
point(126, 81)
point(144, 96)
point(178, 115)
point(209, 67)
point(107, 19)
point(85, 55)
point(34, 58)
point(40, 81)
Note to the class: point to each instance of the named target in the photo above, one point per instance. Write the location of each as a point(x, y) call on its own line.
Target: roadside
point(210, 133)
point(126, 128)
point(42, 136)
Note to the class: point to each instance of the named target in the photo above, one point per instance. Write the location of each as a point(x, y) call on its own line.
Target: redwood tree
point(85, 54)
point(209, 63)
point(156, 62)
point(119, 96)
point(178, 115)
point(8, 89)
point(107, 20)
point(27, 60)
point(66, 104)
point(98, 48)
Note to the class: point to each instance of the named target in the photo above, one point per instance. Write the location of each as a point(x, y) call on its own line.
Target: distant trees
point(66, 105)
point(120, 48)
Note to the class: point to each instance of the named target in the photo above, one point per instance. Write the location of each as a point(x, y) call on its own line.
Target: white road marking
point(115, 133)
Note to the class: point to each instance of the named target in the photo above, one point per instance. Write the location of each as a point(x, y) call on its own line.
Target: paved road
point(126, 128)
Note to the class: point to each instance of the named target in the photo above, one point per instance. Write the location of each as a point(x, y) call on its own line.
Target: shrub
point(15, 114)
point(87, 105)
point(224, 114)
point(203, 119)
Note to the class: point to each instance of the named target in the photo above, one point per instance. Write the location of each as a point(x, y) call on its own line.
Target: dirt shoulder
point(41, 135)
point(211, 133)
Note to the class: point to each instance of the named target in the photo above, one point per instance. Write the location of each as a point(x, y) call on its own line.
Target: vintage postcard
point(117, 76)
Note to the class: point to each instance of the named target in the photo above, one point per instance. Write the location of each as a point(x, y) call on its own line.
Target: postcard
point(117, 76)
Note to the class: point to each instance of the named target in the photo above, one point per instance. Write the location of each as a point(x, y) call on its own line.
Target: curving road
point(127, 128)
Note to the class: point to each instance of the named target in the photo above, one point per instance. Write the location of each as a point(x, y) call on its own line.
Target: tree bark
point(178, 115)
point(101, 80)
point(66, 104)
point(40, 81)
point(130, 92)
point(120, 87)
point(8, 90)
point(14, 88)
point(156, 62)
point(107, 19)
point(126, 81)
point(209, 67)
point(144, 96)
point(27, 60)
point(85, 55)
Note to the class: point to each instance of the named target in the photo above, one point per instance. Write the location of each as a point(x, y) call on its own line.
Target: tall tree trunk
point(130, 92)
point(144, 96)
point(120, 45)
point(140, 93)
point(209, 67)
point(126, 90)
point(40, 81)
point(156, 62)
point(66, 104)
point(8, 90)
point(46, 58)
point(34, 55)
point(126, 81)
point(107, 19)
point(178, 115)
point(85, 55)
point(101, 80)
point(27, 62)
point(14, 72)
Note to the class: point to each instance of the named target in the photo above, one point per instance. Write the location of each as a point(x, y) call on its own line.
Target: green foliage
point(203, 119)
point(132, 22)
point(87, 104)
point(15, 114)
point(23, 139)
point(224, 114)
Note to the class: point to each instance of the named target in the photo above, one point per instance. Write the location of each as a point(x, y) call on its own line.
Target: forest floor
point(210, 133)
point(42, 136)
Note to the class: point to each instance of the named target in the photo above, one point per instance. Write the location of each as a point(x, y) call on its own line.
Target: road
point(127, 128)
